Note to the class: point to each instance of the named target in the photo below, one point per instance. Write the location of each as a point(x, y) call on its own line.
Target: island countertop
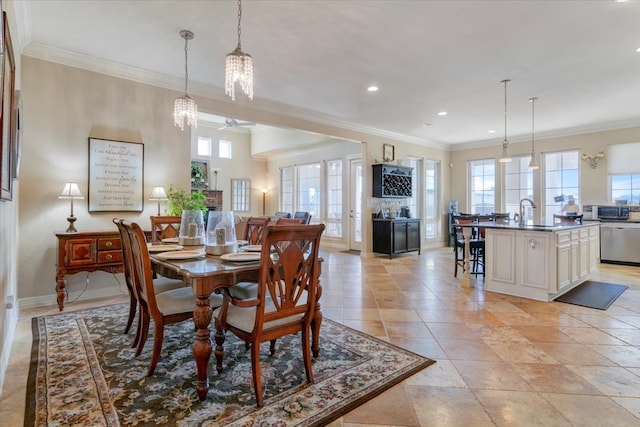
point(537, 261)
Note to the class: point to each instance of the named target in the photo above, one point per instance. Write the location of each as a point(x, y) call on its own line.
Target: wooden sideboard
point(86, 251)
point(394, 236)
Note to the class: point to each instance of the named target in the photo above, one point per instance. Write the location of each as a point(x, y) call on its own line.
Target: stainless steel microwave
point(612, 212)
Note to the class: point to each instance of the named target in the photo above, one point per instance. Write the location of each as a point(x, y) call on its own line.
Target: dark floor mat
point(593, 294)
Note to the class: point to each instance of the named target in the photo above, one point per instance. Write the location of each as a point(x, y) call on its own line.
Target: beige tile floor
point(501, 360)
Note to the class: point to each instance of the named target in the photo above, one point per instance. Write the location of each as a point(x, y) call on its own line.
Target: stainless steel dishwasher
point(620, 242)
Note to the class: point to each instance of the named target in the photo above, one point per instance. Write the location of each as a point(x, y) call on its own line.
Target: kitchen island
point(536, 261)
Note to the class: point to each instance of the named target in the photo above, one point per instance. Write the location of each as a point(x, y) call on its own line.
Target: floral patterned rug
point(83, 372)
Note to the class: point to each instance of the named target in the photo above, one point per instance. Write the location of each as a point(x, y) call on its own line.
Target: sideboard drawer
point(108, 257)
point(108, 244)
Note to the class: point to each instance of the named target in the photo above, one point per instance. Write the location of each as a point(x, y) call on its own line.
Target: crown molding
point(102, 66)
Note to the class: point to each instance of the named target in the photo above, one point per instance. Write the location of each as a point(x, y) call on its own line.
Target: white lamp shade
point(71, 191)
point(158, 193)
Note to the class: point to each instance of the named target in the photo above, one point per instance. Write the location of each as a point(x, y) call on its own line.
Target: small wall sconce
point(593, 160)
point(158, 195)
point(71, 192)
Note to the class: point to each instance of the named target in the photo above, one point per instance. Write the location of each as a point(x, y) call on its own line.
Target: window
point(431, 194)
point(240, 195)
point(562, 178)
point(204, 146)
point(518, 183)
point(224, 149)
point(625, 187)
point(286, 189)
point(482, 174)
point(334, 199)
point(309, 189)
point(413, 203)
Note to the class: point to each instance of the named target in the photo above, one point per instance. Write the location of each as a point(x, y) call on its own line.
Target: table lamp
point(71, 192)
point(158, 195)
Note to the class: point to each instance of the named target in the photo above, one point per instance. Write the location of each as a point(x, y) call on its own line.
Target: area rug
point(593, 294)
point(83, 372)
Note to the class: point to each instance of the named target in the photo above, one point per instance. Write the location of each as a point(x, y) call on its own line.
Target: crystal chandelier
point(533, 163)
point(185, 108)
point(505, 157)
point(238, 67)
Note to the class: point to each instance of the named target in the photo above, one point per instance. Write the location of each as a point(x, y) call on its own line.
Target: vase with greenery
point(180, 200)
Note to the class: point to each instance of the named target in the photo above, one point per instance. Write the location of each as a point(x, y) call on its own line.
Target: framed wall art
point(116, 172)
point(7, 139)
point(16, 130)
point(388, 153)
point(199, 175)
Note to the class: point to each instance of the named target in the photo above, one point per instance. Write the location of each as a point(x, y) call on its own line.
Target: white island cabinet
point(539, 262)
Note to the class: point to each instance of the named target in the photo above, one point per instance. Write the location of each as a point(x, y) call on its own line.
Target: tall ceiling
point(315, 59)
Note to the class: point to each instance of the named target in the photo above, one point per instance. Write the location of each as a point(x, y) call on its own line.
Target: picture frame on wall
point(199, 175)
point(388, 153)
point(7, 138)
point(116, 174)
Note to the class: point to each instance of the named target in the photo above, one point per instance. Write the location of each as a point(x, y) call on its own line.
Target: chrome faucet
point(521, 217)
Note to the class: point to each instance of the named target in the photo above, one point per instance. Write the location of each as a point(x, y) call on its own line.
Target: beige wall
point(63, 106)
point(593, 182)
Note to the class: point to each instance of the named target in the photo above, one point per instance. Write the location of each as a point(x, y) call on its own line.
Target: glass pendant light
point(533, 162)
point(505, 157)
point(238, 67)
point(184, 107)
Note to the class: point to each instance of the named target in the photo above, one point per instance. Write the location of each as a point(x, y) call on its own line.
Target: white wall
point(9, 231)
point(241, 166)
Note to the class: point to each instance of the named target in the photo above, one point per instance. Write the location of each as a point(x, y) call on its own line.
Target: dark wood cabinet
point(391, 181)
point(86, 251)
point(393, 236)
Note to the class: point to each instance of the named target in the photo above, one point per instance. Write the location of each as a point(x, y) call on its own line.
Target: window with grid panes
point(562, 178)
point(482, 185)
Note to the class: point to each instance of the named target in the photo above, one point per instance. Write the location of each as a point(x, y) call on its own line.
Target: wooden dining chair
point(164, 227)
point(290, 221)
point(161, 284)
point(254, 230)
point(164, 308)
point(286, 299)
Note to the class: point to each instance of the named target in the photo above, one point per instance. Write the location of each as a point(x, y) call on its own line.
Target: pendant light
point(185, 108)
point(238, 67)
point(533, 163)
point(505, 157)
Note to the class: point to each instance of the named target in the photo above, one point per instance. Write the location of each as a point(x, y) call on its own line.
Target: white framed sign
point(116, 173)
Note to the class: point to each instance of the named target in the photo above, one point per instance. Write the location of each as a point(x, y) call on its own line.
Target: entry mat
point(593, 294)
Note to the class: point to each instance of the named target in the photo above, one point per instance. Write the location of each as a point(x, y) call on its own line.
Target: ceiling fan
point(233, 123)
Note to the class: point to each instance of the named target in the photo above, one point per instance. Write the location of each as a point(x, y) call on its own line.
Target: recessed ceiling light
point(492, 131)
point(428, 124)
point(638, 50)
point(372, 88)
point(442, 113)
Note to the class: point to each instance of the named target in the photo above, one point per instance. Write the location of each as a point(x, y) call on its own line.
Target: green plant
point(179, 200)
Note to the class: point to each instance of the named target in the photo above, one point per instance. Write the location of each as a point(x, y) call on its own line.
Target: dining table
point(207, 274)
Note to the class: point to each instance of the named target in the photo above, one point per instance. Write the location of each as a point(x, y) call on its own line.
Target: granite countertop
point(528, 227)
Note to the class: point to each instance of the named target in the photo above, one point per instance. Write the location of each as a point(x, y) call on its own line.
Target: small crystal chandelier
point(238, 67)
point(533, 163)
point(184, 107)
point(505, 157)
